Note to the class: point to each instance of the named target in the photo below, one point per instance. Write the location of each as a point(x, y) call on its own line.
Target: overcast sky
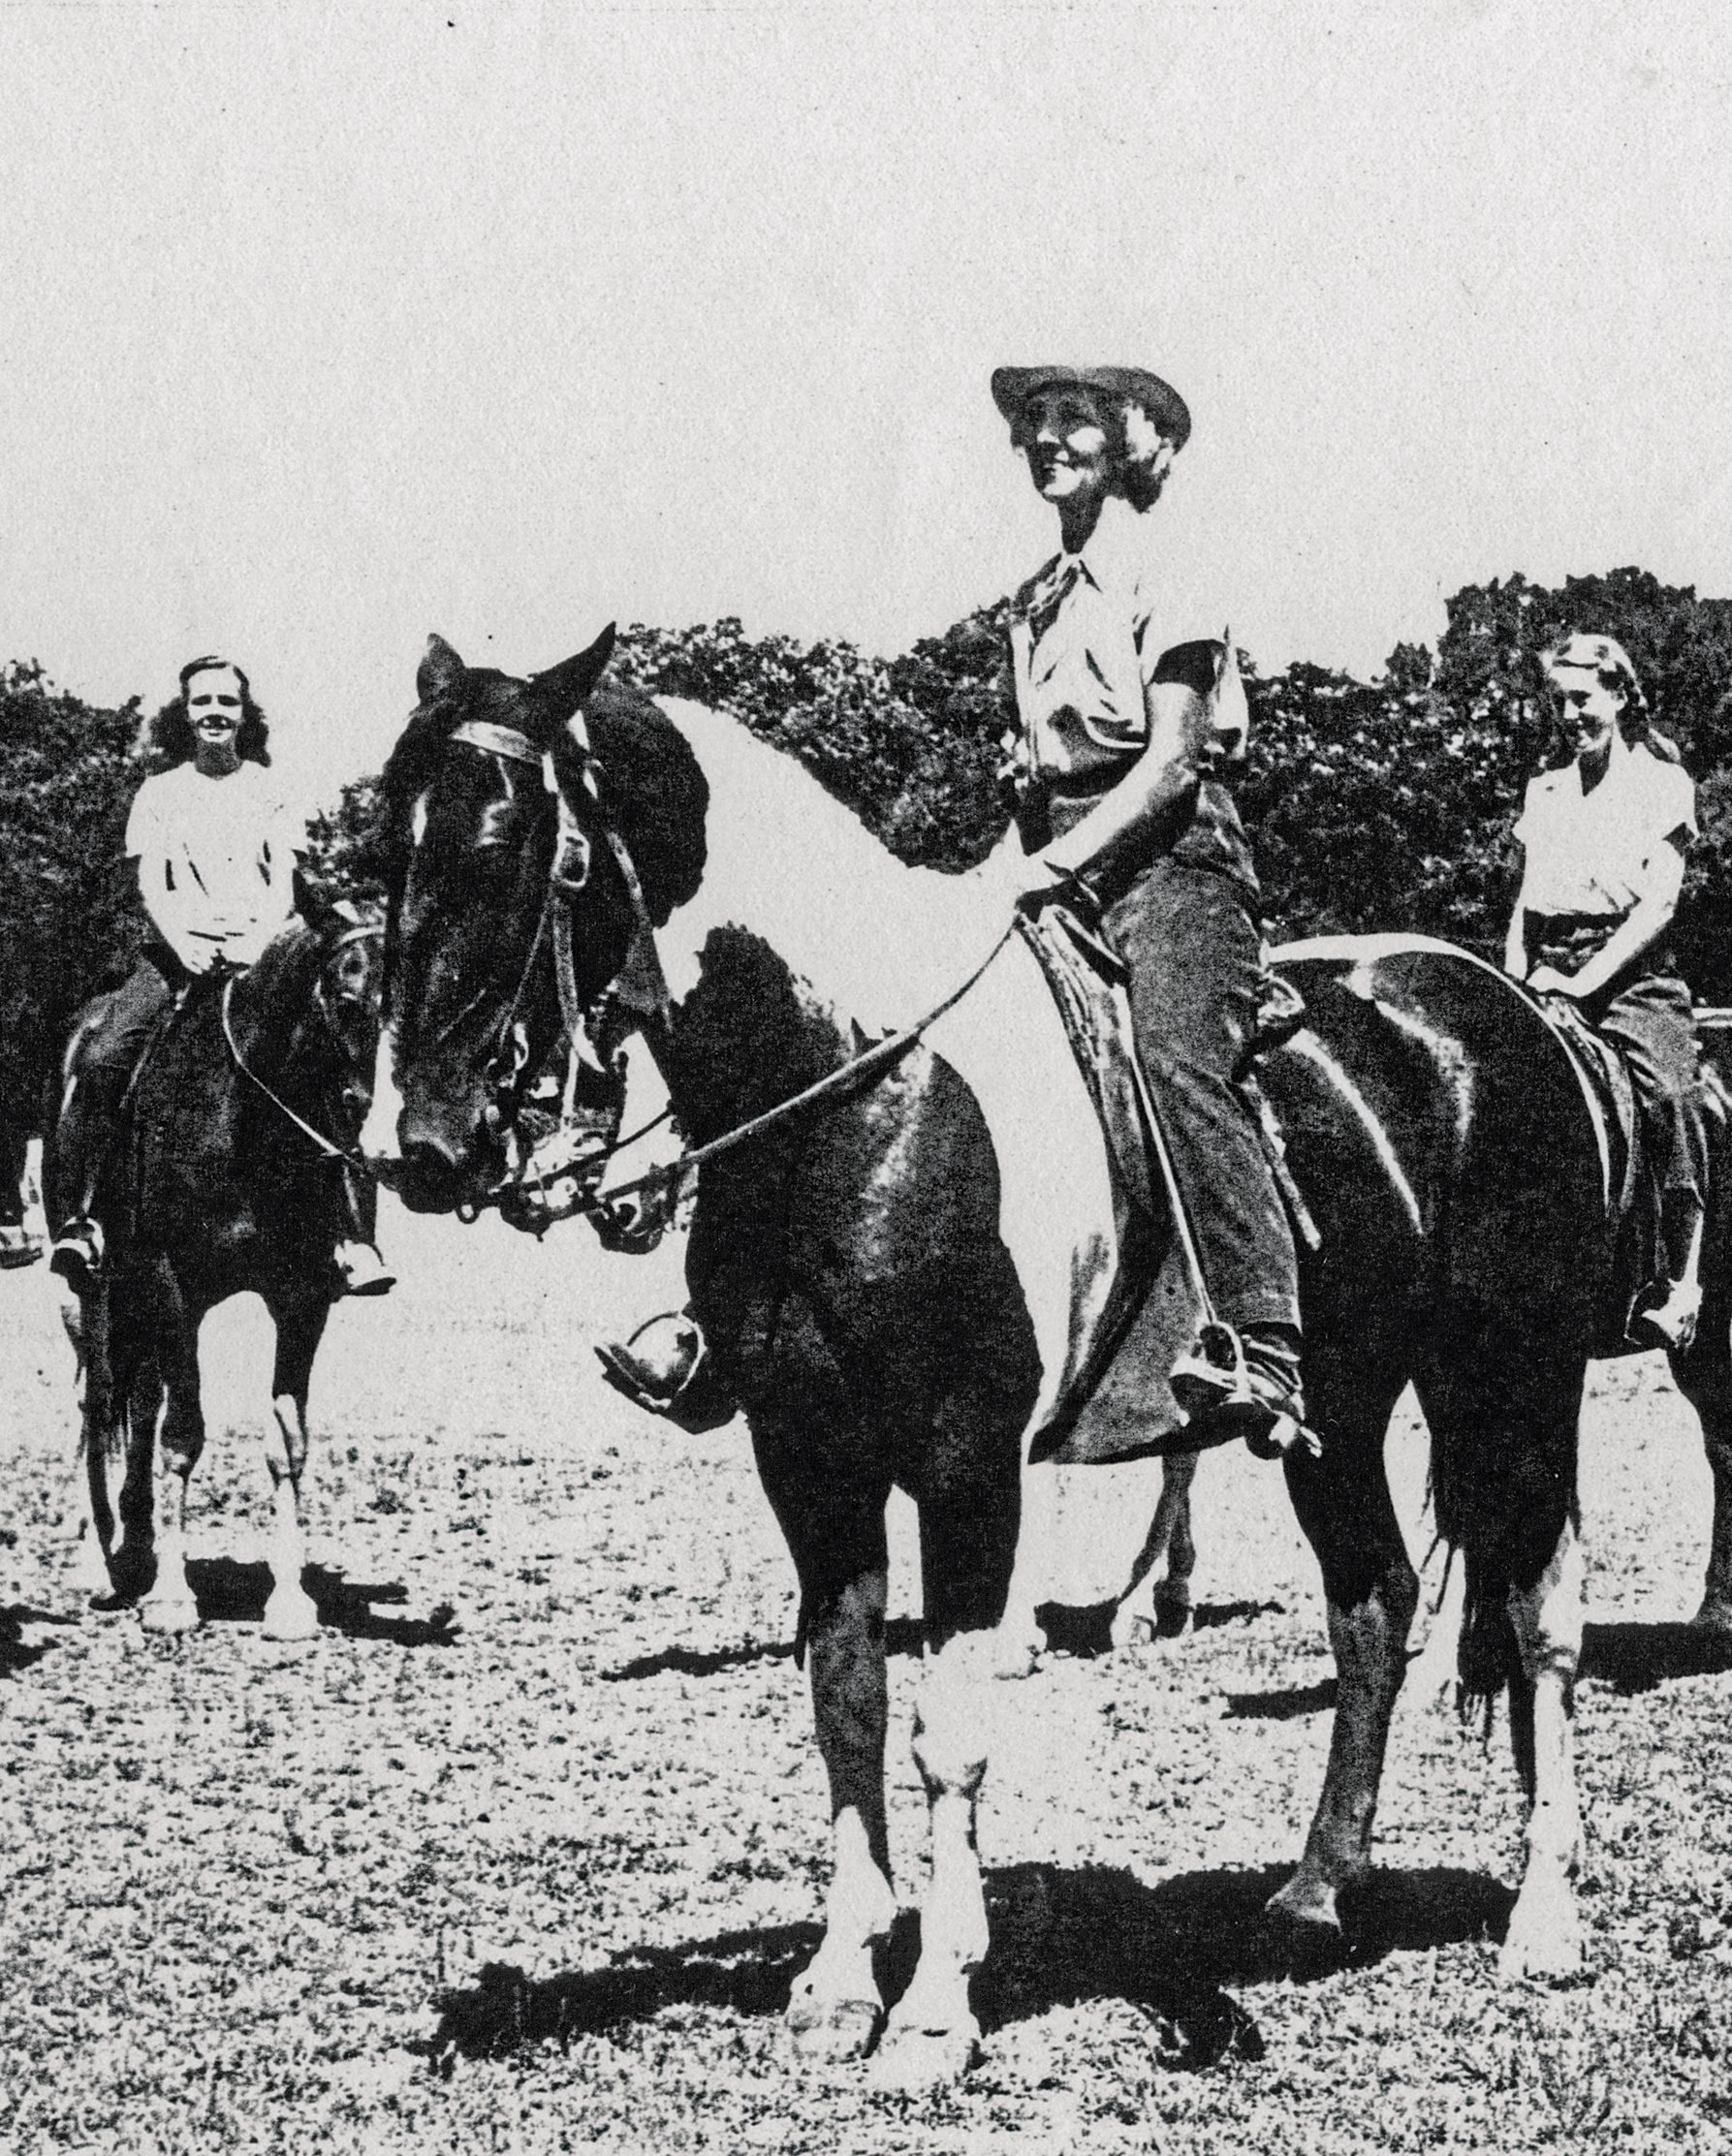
point(320, 328)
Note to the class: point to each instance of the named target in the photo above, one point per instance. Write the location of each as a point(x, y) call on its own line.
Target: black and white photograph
point(865, 1078)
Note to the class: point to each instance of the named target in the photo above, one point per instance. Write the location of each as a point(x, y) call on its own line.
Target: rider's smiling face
point(1590, 710)
point(1064, 436)
point(213, 704)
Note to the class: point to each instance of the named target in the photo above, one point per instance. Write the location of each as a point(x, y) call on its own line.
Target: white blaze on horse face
point(379, 1133)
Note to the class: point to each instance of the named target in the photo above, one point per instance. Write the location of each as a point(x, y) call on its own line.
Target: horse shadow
point(1084, 1629)
point(15, 1651)
point(228, 1592)
point(902, 1636)
point(1059, 1937)
point(1634, 1658)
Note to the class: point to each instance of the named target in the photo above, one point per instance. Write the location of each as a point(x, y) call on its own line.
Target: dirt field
point(521, 1853)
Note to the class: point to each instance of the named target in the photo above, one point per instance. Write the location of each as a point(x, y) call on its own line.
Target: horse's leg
point(1344, 1506)
point(291, 1612)
point(1704, 1376)
point(170, 1607)
point(968, 1519)
point(837, 1539)
point(101, 1443)
point(1545, 1934)
point(1161, 1609)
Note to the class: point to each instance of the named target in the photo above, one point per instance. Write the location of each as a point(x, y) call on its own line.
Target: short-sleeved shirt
point(1086, 634)
point(228, 845)
point(1587, 851)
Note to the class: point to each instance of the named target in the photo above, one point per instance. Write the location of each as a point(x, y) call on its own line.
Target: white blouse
point(1586, 853)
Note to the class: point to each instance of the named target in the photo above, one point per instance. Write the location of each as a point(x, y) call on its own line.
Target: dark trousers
point(111, 1034)
point(1192, 942)
point(1652, 1022)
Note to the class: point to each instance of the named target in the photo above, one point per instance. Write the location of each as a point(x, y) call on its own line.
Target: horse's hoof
point(916, 2062)
point(1016, 1657)
point(1307, 1925)
point(290, 1616)
point(171, 1617)
point(831, 2033)
point(1544, 1941)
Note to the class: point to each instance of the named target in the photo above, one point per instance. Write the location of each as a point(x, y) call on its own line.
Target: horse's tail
point(1488, 1657)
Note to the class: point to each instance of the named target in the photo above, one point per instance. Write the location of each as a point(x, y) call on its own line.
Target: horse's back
point(1440, 1131)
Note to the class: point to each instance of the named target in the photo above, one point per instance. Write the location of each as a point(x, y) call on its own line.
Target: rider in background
point(1117, 769)
point(215, 849)
point(1605, 837)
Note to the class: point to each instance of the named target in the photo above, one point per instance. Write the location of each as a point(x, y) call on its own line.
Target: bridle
point(636, 996)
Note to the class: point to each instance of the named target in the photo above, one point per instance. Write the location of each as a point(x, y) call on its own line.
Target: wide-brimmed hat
point(1013, 387)
point(1580, 654)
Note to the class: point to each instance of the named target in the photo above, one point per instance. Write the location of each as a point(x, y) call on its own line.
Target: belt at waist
point(1565, 941)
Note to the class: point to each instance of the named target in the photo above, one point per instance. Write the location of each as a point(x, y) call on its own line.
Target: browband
point(497, 740)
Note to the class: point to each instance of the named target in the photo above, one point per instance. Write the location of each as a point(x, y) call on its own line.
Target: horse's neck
point(873, 941)
point(272, 1015)
point(748, 1035)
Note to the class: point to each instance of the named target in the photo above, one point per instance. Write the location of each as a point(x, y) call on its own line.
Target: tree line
point(1375, 805)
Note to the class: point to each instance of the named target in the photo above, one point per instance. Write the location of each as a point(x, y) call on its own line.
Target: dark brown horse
point(226, 1188)
point(893, 1285)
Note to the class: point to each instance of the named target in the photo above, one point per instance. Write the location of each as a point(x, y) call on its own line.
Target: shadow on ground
point(1087, 1629)
point(902, 1636)
point(1634, 1658)
point(15, 1651)
point(1058, 1938)
point(228, 1592)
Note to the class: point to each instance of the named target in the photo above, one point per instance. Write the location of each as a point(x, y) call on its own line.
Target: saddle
point(1152, 1313)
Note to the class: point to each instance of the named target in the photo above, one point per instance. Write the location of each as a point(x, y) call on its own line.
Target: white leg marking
point(933, 2035)
point(837, 2006)
point(170, 1607)
point(289, 1613)
point(1545, 1932)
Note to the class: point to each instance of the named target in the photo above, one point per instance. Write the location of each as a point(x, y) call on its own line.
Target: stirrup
point(1223, 1398)
point(685, 1388)
point(362, 1270)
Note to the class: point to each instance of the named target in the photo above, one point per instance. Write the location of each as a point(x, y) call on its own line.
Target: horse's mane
point(877, 941)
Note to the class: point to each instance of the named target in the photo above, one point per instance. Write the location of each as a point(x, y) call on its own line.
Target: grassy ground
point(521, 1853)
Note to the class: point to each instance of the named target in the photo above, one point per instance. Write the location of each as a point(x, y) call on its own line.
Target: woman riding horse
point(1116, 769)
point(215, 850)
point(1605, 837)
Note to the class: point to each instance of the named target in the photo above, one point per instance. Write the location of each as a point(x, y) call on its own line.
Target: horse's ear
point(439, 671)
point(565, 688)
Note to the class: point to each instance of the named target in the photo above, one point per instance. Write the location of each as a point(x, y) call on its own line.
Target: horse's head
point(525, 850)
point(349, 990)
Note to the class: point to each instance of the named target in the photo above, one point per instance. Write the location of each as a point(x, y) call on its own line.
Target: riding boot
point(1245, 1384)
point(1671, 1323)
point(359, 1262)
point(665, 1367)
